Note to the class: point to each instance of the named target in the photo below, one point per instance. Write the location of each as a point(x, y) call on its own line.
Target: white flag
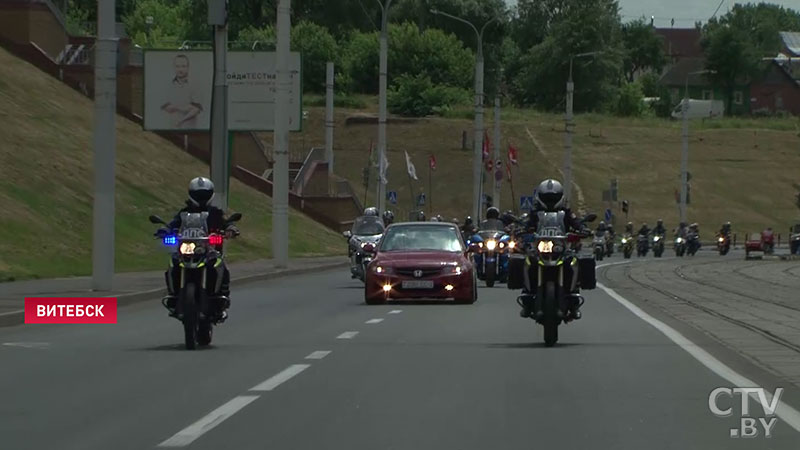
point(412, 171)
point(384, 169)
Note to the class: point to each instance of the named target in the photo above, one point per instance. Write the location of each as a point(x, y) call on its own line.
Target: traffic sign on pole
point(526, 203)
point(392, 197)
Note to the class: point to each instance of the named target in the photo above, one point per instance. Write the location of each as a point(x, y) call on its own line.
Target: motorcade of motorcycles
point(198, 252)
point(540, 271)
point(362, 239)
point(658, 245)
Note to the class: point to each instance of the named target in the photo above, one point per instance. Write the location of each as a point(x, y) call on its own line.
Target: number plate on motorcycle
point(417, 284)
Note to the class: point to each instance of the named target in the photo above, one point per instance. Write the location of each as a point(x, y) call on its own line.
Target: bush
point(418, 96)
point(318, 47)
point(339, 101)
point(630, 101)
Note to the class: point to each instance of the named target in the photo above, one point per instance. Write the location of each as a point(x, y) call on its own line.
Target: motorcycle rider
point(644, 230)
point(388, 218)
point(725, 230)
point(629, 228)
point(421, 216)
point(659, 229)
point(371, 212)
point(468, 229)
point(549, 197)
point(681, 231)
point(492, 221)
point(201, 192)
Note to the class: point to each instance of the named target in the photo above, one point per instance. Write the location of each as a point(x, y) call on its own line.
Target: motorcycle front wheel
point(550, 320)
point(189, 311)
point(491, 272)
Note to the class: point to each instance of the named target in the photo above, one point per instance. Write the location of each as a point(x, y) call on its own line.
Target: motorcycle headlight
point(512, 244)
point(491, 244)
point(657, 238)
point(624, 240)
point(187, 248)
point(545, 246)
point(721, 239)
point(679, 240)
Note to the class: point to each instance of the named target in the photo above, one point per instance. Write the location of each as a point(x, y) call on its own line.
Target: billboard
point(178, 89)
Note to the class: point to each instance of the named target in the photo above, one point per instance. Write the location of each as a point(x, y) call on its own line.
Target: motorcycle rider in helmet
point(629, 228)
point(725, 230)
point(201, 192)
point(492, 221)
point(659, 229)
point(549, 197)
point(680, 232)
point(421, 216)
point(371, 212)
point(468, 229)
point(644, 230)
point(388, 218)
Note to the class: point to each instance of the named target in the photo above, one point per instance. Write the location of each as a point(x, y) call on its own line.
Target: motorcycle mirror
point(474, 248)
point(590, 218)
point(235, 217)
point(347, 234)
point(157, 220)
point(369, 247)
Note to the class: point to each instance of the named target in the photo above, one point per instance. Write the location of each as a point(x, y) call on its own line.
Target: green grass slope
point(46, 179)
point(744, 170)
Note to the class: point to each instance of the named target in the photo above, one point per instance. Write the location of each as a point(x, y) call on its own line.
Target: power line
point(717, 10)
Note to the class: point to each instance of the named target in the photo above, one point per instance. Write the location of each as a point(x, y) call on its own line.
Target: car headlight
point(455, 270)
point(491, 244)
point(383, 270)
point(187, 248)
point(545, 246)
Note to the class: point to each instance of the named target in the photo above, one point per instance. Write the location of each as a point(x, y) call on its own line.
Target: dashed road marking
point(395, 311)
point(319, 354)
point(207, 423)
point(280, 378)
point(347, 335)
point(373, 321)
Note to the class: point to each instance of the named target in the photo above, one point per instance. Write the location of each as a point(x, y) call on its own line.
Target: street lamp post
point(382, 71)
point(569, 128)
point(477, 166)
point(685, 149)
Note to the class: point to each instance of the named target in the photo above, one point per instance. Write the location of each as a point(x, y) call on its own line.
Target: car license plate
point(418, 284)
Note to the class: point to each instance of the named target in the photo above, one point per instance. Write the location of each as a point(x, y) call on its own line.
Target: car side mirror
point(590, 218)
point(347, 234)
point(369, 247)
point(157, 220)
point(235, 217)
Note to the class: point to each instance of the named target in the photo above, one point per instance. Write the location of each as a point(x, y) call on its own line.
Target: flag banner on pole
point(512, 155)
point(489, 165)
point(432, 162)
point(486, 145)
point(508, 172)
point(384, 169)
point(412, 171)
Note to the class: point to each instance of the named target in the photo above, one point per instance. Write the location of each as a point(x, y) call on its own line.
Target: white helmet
point(550, 195)
point(201, 191)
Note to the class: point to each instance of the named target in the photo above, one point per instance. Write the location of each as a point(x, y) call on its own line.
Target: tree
point(760, 22)
point(318, 47)
point(643, 48)
point(168, 23)
point(418, 96)
point(630, 101)
point(732, 57)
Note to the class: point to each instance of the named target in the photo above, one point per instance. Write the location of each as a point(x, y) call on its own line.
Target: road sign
point(608, 215)
point(392, 197)
point(421, 199)
point(526, 203)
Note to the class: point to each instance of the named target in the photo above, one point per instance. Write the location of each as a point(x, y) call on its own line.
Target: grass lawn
point(46, 187)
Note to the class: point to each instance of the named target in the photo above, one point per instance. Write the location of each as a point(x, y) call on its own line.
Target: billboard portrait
point(177, 90)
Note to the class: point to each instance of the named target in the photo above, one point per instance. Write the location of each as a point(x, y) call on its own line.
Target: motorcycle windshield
point(194, 225)
point(367, 226)
point(551, 224)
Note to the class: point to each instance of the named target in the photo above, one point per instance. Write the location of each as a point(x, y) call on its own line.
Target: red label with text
point(70, 310)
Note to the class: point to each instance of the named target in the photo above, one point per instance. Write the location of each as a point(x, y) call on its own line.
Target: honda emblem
point(417, 273)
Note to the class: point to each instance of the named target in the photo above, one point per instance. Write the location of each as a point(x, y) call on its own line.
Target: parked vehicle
point(701, 109)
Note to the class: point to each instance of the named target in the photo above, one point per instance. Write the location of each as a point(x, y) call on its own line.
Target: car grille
point(409, 272)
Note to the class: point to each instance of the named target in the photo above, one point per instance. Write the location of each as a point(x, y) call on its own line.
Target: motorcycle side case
point(586, 272)
point(516, 271)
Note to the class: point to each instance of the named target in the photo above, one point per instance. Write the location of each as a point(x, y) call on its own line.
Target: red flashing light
point(215, 239)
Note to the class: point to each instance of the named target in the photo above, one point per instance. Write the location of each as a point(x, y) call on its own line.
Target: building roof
point(676, 75)
point(791, 42)
point(681, 42)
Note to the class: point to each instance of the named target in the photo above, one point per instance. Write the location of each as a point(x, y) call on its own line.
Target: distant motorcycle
point(492, 259)
point(627, 246)
point(599, 245)
point(658, 245)
point(723, 244)
point(609, 245)
point(692, 243)
point(680, 246)
point(361, 243)
point(642, 245)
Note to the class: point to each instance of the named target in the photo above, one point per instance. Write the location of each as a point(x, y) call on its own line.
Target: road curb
point(11, 320)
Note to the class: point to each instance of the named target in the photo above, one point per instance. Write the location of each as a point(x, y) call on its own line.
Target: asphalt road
point(413, 376)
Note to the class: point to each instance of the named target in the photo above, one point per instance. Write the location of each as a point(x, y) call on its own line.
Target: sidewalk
point(138, 286)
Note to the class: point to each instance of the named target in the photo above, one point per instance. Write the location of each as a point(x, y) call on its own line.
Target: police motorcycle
point(599, 243)
point(491, 255)
point(549, 272)
point(199, 254)
point(362, 241)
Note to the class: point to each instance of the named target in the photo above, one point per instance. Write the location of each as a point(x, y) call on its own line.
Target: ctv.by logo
point(748, 425)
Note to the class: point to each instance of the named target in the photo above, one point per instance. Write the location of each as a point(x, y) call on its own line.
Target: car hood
point(427, 258)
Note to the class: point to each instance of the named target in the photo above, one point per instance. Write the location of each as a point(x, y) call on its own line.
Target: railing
point(316, 154)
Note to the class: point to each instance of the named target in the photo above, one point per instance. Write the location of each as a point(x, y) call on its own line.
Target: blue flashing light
point(170, 239)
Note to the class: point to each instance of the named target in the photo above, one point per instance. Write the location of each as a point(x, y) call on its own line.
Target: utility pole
point(105, 110)
point(382, 71)
point(496, 190)
point(477, 164)
point(329, 121)
point(685, 147)
point(218, 18)
point(280, 188)
point(570, 129)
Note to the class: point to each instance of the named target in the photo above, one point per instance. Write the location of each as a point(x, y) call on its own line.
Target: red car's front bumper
point(376, 287)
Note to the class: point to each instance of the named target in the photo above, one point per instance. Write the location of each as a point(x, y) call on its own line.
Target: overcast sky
point(685, 12)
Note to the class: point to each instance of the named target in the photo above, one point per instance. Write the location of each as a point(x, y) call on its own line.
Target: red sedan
point(421, 260)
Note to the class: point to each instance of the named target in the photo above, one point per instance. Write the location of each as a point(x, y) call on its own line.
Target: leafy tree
point(318, 47)
point(643, 48)
point(732, 57)
point(629, 102)
point(168, 23)
point(760, 22)
point(418, 96)
point(360, 53)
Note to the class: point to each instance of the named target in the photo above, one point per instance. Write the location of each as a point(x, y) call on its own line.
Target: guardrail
point(316, 154)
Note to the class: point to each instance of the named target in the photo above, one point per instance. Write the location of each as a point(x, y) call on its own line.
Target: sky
point(685, 12)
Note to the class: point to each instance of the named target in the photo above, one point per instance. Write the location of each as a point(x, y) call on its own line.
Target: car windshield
point(367, 226)
point(416, 237)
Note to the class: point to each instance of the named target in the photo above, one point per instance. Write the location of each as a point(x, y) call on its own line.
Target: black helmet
point(468, 220)
point(508, 218)
point(492, 213)
point(682, 225)
point(660, 222)
point(388, 217)
point(421, 216)
point(201, 191)
point(550, 195)
point(371, 211)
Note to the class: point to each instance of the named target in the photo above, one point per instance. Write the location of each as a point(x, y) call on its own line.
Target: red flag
point(512, 155)
point(485, 145)
point(489, 165)
point(432, 162)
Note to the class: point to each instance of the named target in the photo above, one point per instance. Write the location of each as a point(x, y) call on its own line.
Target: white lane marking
point(613, 264)
point(319, 354)
point(12, 312)
point(347, 335)
point(207, 423)
point(784, 411)
point(372, 321)
point(395, 311)
point(40, 345)
point(281, 377)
